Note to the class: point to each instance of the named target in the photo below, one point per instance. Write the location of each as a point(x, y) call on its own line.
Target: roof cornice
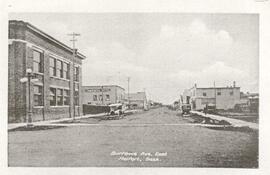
point(35, 29)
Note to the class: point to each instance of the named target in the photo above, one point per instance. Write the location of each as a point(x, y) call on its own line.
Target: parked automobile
point(186, 108)
point(210, 109)
point(116, 110)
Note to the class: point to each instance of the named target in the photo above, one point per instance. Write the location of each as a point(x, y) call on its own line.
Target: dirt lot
point(249, 117)
point(156, 138)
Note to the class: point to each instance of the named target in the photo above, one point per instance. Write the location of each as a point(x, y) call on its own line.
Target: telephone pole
point(74, 51)
point(102, 95)
point(215, 93)
point(128, 93)
point(119, 79)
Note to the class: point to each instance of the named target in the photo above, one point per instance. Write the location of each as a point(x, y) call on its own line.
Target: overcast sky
point(163, 53)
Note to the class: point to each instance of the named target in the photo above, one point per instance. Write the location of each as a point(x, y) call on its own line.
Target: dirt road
point(143, 139)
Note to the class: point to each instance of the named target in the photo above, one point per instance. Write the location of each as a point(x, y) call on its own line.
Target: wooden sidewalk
point(233, 122)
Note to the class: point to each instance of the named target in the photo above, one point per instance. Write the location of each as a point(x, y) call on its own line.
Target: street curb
point(52, 122)
point(40, 123)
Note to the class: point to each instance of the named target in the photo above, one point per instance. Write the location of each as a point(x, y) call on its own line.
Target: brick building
point(103, 95)
point(53, 93)
point(222, 97)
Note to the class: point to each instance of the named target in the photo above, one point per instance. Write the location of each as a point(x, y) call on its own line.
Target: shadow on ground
point(35, 128)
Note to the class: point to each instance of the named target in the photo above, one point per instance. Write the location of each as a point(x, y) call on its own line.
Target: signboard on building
point(98, 90)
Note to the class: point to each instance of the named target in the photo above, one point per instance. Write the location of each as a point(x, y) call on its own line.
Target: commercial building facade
point(103, 95)
point(137, 100)
point(56, 68)
point(223, 97)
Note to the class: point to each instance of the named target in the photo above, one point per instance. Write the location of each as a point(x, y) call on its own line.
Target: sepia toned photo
point(133, 90)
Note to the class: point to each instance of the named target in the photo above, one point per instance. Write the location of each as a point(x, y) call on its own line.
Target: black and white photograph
point(134, 89)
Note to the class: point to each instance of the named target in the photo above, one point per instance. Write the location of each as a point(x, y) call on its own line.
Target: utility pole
point(102, 95)
point(215, 93)
point(128, 93)
point(74, 50)
point(144, 90)
point(119, 78)
point(145, 100)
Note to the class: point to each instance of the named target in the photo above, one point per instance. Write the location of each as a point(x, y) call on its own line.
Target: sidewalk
point(16, 125)
point(133, 111)
point(233, 122)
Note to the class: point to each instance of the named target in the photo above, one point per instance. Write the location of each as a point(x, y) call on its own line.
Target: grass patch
point(34, 128)
point(194, 118)
point(248, 117)
point(239, 129)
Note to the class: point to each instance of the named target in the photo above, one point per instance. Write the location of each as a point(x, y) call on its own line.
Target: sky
point(162, 53)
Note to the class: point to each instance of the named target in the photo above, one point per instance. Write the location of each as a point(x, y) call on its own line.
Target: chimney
point(234, 84)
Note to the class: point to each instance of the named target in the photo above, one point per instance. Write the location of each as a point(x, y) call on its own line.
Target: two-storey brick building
point(55, 93)
point(222, 97)
point(103, 95)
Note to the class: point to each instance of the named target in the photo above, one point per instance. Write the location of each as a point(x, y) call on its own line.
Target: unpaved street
point(155, 138)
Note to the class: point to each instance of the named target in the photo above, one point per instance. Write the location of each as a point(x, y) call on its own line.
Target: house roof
point(40, 32)
point(136, 96)
point(247, 95)
point(205, 88)
point(229, 87)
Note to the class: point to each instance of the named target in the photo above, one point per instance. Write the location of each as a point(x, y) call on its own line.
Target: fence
point(94, 109)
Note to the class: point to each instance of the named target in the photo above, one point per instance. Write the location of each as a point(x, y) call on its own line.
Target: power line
point(73, 38)
point(74, 50)
point(128, 93)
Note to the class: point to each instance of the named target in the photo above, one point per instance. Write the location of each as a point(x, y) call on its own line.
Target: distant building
point(222, 97)
point(249, 102)
point(56, 91)
point(245, 96)
point(103, 95)
point(137, 100)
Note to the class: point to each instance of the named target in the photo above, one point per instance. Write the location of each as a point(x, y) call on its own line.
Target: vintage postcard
point(136, 89)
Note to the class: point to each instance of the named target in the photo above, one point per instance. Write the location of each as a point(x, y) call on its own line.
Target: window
point(65, 70)
point(204, 94)
point(66, 97)
point(76, 74)
point(231, 93)
point(52, 97)
point(38, 91)
point(76, 86)
point(37, 62)
point(76, 98)
point(59, 68)
point(218, 93)
point(52, 66)
point(108, 97)
point(100, 98)
point(94, 97)
point(59, 97)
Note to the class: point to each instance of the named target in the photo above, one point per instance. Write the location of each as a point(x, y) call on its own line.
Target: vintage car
point(116, 110)
point(185, 108)
point(210, 109)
